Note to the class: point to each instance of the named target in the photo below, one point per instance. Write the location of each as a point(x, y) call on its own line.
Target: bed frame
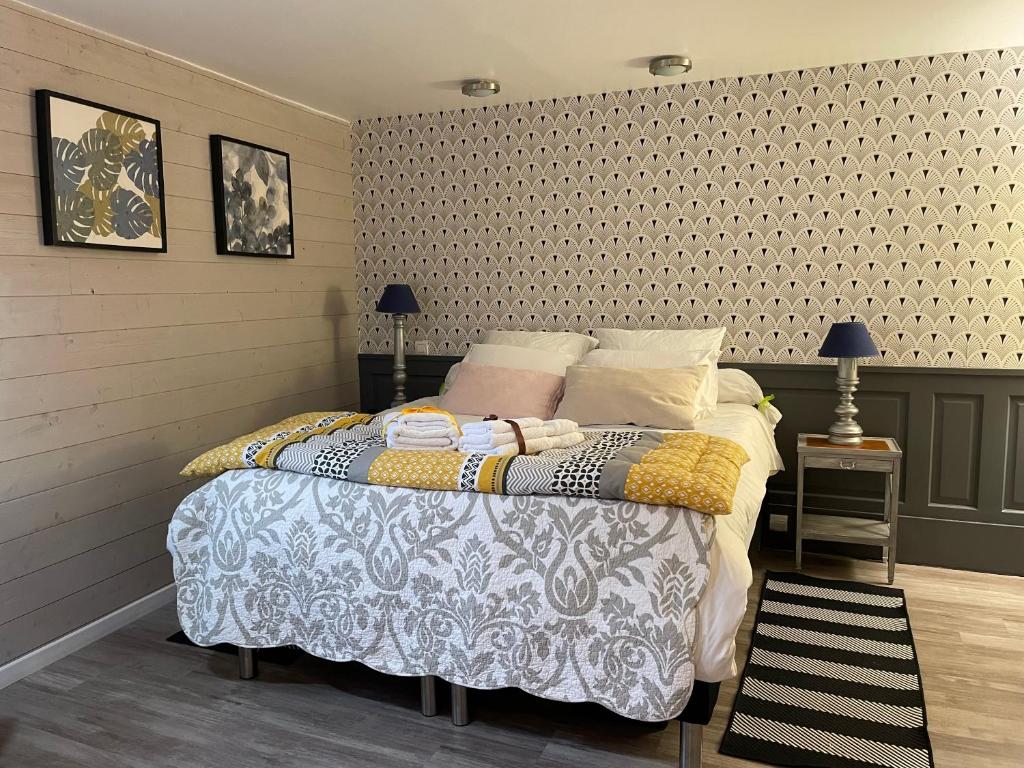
point(692, 719)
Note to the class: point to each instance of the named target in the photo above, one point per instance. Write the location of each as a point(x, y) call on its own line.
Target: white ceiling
point(359, 58)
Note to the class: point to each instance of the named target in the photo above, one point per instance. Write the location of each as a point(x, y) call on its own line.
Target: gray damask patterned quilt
point(567, 598)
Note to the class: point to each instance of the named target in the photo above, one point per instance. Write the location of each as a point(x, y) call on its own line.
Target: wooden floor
point(133, 699)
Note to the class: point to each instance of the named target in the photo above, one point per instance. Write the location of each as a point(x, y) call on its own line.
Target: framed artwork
point(100, 175)
point(252, 199)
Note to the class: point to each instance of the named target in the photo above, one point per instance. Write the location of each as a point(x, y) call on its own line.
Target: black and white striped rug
point(831, 680)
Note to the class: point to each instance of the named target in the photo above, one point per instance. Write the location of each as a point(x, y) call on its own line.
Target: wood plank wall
point(117, 368)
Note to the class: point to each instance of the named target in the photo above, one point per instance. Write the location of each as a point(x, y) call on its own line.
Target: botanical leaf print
point(262, 166)
point(132, 216)
point(154, 206)
point(103, 154)
point(105, 167)
point(127, 129)
point(484, 590)
point(68, 164)
point(103, 223)
point(74, 216)
point(257, 217)
point(143, 168)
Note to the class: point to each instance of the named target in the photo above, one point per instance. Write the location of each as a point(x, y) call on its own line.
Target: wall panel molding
point(896, 402)
point(956, 449)
point(1014, 465)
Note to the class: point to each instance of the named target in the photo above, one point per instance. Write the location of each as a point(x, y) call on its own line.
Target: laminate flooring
point(134, 699)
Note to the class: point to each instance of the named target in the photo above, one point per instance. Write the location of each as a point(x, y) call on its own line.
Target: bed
point(635, 607)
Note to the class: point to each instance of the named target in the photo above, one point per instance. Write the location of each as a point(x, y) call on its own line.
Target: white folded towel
point(561, 426)
point(428, 418)
point(497, 437)
point(431, 442)
point(399, 446)
point(500, 425)
point(412, 430)
point(500, 438)
point(426, 431)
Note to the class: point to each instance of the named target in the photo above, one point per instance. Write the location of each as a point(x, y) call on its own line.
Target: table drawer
point(843, 462)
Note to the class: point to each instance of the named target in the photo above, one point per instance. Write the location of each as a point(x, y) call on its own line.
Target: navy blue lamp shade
point(850, 339)
point(398, 299)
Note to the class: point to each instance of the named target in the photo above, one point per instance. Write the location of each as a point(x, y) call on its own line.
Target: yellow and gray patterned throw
point(684, 469)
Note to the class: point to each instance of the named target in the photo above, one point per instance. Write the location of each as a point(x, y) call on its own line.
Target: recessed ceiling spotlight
point(480, 88)
point(670, 66)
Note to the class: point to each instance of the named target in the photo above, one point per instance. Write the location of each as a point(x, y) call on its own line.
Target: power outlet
point(421, 347)
point(778, 523)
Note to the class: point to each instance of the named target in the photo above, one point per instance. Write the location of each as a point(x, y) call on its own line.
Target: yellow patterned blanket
point(679, 469)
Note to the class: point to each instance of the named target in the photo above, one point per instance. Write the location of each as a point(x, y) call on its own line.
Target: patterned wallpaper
point(891, 192)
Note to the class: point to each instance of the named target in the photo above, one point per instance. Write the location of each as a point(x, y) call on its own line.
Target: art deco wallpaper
point(891, 192)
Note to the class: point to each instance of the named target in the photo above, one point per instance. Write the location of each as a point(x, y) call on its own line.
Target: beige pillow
point(707, 394)
point(647, 397)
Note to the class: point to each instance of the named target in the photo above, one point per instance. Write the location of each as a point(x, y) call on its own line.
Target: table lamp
point(847, 341)
point(398, 301)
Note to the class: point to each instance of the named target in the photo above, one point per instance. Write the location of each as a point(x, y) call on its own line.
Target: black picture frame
point(48, 188)
point(221, 225)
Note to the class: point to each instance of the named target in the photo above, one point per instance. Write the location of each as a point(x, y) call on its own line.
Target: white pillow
point(520, 358)
point(509, 356)
point(661, 340)
point(736, 386)
point(707, 393)
point(575, 344)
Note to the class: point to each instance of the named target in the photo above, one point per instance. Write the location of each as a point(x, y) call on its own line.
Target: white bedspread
point(542, 593)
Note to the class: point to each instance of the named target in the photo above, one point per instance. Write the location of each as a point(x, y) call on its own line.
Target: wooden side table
point(875, 454)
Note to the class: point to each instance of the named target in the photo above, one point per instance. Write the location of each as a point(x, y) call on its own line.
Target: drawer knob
point(847, 463)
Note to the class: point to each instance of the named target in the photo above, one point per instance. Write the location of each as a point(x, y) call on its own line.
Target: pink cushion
point(480, 390)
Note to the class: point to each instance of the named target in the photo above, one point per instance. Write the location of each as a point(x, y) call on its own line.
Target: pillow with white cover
point(661, 339)
point(519, 358)
point(736, 386)
point(575, 344)
point(707, 393)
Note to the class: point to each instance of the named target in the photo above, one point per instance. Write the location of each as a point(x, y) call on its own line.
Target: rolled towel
point(561, 426)
point(470, 441)
point(535, 445)
point(500, 425)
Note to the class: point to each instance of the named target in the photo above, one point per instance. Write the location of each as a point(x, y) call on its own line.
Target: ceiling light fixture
point(480, 88)
point(670, 66)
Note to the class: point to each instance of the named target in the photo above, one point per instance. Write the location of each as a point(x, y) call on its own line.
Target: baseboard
point(965, 546)
point(33, 661)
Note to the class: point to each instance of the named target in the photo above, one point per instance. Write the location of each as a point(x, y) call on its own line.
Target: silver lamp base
point(846, 431)
point(398, 372)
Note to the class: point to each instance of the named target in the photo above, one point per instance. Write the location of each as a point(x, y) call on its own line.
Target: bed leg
point(460, 705)
point(690, 737)
point(248, 667)
point(428, 695)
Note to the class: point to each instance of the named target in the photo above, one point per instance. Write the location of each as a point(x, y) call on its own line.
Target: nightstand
point(875, 454)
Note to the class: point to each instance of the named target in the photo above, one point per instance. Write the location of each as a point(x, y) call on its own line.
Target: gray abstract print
point(567, 598)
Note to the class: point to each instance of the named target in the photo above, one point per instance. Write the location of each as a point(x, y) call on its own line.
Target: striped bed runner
point(831, 679)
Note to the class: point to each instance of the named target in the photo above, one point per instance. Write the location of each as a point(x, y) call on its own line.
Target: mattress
point(724, 603)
